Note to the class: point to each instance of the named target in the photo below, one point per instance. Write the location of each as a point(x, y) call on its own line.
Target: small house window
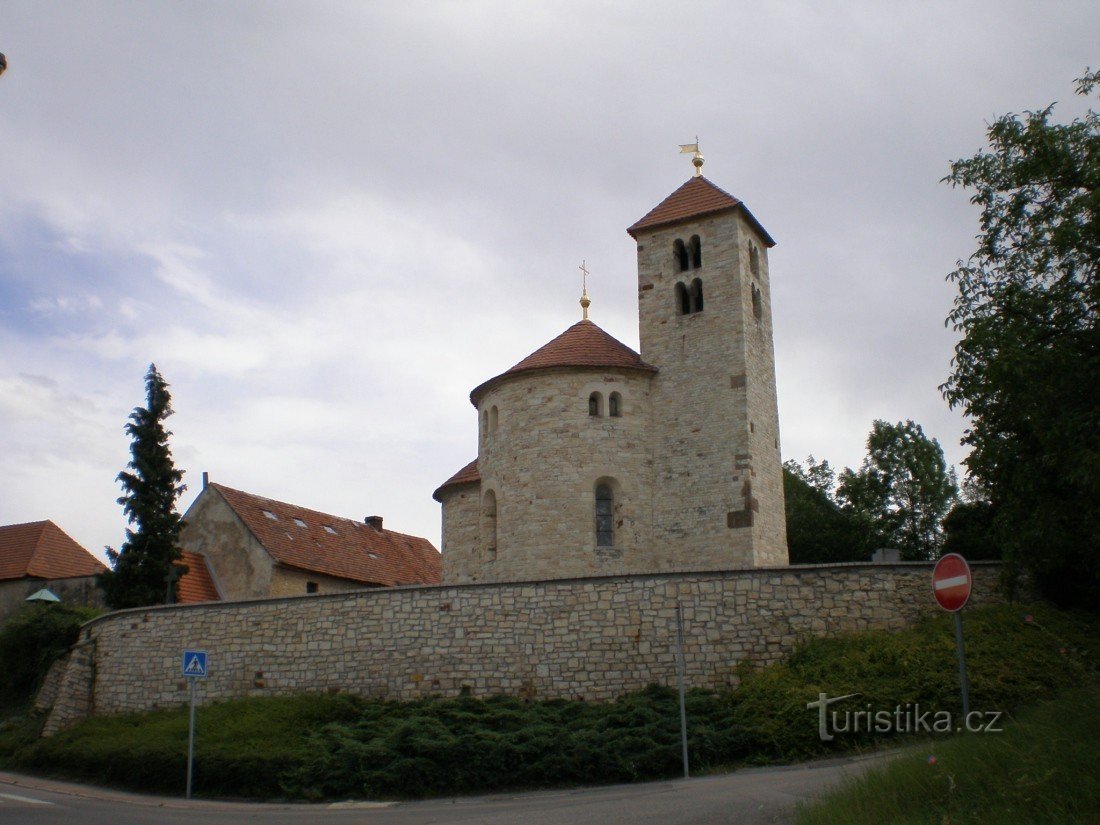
point(697, 295)
point(683, 300)
point(595, 405)
point(696, 252)
point(615, 405)
point(680, 254)
point(605, 516)
point(311, 587)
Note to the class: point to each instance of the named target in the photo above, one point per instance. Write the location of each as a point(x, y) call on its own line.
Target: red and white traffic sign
point(951, 582)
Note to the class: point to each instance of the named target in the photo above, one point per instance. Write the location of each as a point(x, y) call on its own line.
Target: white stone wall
point(588, 638)
point(461, 556)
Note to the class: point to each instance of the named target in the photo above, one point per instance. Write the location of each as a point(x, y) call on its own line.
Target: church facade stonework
point(597, 460)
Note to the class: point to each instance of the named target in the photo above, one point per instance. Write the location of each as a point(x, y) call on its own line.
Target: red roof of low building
point(467, 475)
point(196, 585)
point(696, 198)
point(42, 550)
point(343, 548)
point(583, 345)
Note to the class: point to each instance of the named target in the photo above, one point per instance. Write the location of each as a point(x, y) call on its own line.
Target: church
point(594, 459)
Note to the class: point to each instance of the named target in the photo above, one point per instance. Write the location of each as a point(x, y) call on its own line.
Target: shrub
point(31, 641)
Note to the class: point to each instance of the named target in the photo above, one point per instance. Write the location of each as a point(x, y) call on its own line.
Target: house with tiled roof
point(594, 459)
point(255, 547)
point(38, 555)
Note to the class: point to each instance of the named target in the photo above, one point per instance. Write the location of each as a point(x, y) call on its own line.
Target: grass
point(326, 747)
point(1042, 768)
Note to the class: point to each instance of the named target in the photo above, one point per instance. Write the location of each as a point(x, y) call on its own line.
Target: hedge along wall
point(581, 638)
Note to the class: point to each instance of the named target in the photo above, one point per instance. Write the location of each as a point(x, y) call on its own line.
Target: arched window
point(680, 253)
point(754, 260)
point(697, 295)
point(485, 423)
point(696, 252)
point(683, 300)
point(489, 525)
point(494, 418)
point(615, 405)
point(605, 515)
point(595, 405)
point(757, 303)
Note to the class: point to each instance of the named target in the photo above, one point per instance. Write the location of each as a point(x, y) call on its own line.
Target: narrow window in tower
point(494, 418)
point(615, 405)
point(680, 253)
point(605, 516)
point(489, 525)
point(757, 304)
point(754, 260)
point(595, 405)
point(696, 252)
point(485, 423)
point(697, 295)
point(683, 300)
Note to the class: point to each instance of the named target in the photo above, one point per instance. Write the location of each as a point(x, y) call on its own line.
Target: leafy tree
point(1027, 368)
point(902, 491)
point(818, 532)
point(969, 531)
point(152, 486)
point(30, 641)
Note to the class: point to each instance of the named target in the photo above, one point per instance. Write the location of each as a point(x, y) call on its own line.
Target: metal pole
point(191, 738)
point(962, 665)
point(680, 686)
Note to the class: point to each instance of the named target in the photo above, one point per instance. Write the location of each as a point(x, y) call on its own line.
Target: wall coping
point(374, 592)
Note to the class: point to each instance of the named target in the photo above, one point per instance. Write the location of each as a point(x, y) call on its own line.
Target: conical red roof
point(694, 199)
point(582, 345)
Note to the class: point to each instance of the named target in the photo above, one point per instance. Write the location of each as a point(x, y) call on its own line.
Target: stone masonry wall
point(591, 638)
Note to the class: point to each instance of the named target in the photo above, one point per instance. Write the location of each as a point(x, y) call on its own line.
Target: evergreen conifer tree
point(140, 569)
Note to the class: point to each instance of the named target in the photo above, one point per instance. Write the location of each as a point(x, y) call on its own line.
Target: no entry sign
point(951, 582)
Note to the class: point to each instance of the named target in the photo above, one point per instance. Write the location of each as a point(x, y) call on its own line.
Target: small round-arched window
point(595, 405)
point(615, 405)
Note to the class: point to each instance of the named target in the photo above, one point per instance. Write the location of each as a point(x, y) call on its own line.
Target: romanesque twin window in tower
point(689, 299)
point(614, 405)
point(688, 256)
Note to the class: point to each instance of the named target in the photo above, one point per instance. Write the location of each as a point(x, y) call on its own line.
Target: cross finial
point(697, 159)
point(586, 302)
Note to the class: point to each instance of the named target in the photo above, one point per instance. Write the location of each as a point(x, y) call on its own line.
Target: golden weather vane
point(586, 302)
point(697, 160)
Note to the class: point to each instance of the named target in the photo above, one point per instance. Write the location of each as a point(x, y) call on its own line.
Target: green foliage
point(324, 747)
point(31, 641)
point(152, 485)
point(1042, 768)
point(1027, 368)
point(969, 530)
point(818, 531)
point(903, 489)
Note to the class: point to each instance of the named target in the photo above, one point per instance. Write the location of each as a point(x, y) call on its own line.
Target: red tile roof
point(197, 585)
point(467, 475)
point(582, 345)
point(694, 199)
point(335, 546)
point(42, 550)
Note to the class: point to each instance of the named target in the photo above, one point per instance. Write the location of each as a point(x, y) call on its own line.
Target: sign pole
point(962, 665)
point(191, 737)
point(680, 687)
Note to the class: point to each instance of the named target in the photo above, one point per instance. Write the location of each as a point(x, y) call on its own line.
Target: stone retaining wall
point(587, 638)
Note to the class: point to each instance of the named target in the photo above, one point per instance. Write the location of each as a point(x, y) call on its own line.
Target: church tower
point(704, 307)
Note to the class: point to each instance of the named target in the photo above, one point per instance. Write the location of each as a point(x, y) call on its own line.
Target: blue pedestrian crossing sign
point(194, 664)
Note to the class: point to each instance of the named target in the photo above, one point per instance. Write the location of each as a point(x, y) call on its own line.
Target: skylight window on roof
point(299, 522)
point(373, 555)
point(329, 530)
point(271, 515)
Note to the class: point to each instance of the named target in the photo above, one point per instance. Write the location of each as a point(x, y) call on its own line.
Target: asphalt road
point(752, 796)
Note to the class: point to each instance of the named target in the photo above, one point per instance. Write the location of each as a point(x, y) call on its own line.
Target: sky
point(327, 222)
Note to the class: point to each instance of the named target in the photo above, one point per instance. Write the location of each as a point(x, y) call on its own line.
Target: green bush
point(31, 641)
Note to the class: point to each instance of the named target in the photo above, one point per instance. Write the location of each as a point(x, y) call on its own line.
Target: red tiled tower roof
point(694, 199)
point(196, 585)
point(343, 548)
point(467, 475)
point(583, 345)
point(42, 550)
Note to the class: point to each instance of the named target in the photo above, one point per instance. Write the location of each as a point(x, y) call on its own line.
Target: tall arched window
point(680, 254)
point(683, 300)
point(595, 405)
point(697, 295)
point(754, 261)
point(757, 303)
point(615, 405)
point(696, 252)
point(485, 423)
point(494, 418)
point(605, 515)
point(489, 525)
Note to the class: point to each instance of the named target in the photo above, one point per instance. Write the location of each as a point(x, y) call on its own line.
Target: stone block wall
point(587, 638)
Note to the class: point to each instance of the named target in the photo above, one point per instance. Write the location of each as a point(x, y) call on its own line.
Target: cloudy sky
point(327, 222)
